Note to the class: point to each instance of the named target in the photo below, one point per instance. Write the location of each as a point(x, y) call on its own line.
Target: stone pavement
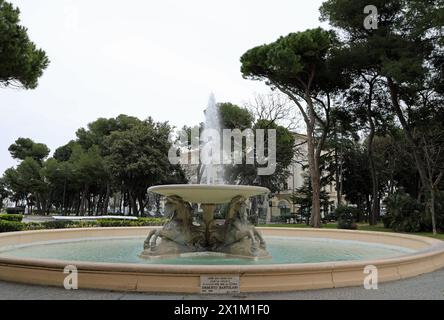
point(429, 286)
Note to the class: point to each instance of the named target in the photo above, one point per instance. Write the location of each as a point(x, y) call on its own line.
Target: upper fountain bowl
point(208, 193)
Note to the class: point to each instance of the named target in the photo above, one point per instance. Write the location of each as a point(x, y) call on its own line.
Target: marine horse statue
point(238, 236)
point(179, 231)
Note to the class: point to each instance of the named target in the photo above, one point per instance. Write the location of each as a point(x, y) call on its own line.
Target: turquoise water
point(282, 249)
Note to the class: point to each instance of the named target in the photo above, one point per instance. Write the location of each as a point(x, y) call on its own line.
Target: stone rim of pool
point(253, 278)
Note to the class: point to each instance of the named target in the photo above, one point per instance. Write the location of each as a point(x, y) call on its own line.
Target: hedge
point(11, 217)
point(8, 225)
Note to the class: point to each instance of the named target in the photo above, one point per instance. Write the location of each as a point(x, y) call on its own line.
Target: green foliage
point(57, 224)
point(11, 217)
point(120, 157)
point(346, 217)
point(24, 148)
point(4, 192)
point(404, 213)
point(151, 221)
point(21, 63)
point(15, 210)
point(114, 223)
point(64, 153)
point(9, 226)
point(138, 158)
point(16, 225)
point(303, 196)
point(234, 117)
point(131, 223)
point(293, 61)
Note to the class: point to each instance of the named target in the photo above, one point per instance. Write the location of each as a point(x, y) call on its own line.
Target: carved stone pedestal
point(236, 237)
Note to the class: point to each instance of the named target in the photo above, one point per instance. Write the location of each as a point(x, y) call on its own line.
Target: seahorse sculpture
point(178, 234)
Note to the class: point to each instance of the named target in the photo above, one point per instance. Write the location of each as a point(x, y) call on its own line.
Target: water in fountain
point(212, 170)
point(182, 234)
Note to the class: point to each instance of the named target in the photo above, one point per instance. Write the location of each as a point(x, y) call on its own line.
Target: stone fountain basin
point(208, 193)
point(429, 256)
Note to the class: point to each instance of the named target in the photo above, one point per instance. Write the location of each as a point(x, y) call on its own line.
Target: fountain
point(190, 252)
point(235, 237)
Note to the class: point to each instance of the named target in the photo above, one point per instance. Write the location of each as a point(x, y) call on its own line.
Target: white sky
point(141, 58)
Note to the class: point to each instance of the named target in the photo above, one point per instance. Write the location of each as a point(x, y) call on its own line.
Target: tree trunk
point(315, 218)
point(375, 184)
point(142, 204)
point(133, 204)
point(338, 179)
point(420, 165)
point(106, 200)
point(83, 201)
point(432, 209)
point(373, 218)
point(416, 149)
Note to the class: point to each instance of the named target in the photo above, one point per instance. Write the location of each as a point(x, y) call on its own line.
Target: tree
point(138, 159)
point(25, 147)
point(27, 184)
point(21, 63)
point(356, 176)
point(303, 196)
point(234, 117)
point(343, 134)
point(4, 192)
point(274, 107)
point(406, 48)
point(91, 172)
point(302, 65)
point(368, 101)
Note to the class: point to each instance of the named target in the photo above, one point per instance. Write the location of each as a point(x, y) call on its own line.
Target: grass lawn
point(361, 226)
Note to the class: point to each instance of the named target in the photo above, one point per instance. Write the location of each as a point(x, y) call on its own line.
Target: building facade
point(282, 204)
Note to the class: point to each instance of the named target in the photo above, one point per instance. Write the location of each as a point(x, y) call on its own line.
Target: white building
point(281, 203)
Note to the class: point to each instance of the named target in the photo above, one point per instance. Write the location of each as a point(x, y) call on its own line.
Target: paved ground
point(429, 286)
point(34, 218)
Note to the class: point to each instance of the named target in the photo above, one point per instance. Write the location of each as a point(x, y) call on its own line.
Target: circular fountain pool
point(283, 250)
point(107, 258)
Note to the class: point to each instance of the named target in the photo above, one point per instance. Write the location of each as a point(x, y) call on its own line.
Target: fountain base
point(235, 237)
point(209, 254)
point(170, 249)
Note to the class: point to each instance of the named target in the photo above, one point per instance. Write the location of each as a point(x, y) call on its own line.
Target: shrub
point(9, 226)
point(131, 223)
point(15, 210)
point(387, 221)
point(82, 224)
point(57, 224)
point(152, 221)
point(34, 226)
point(404, 213)
point(112, 223)
point(14, 224)
point(11, 217)
point(346, 217)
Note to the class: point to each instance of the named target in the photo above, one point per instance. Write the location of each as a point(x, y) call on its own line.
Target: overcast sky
point(141, 58)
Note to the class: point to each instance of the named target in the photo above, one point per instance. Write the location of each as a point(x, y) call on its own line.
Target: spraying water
point(212, 171)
